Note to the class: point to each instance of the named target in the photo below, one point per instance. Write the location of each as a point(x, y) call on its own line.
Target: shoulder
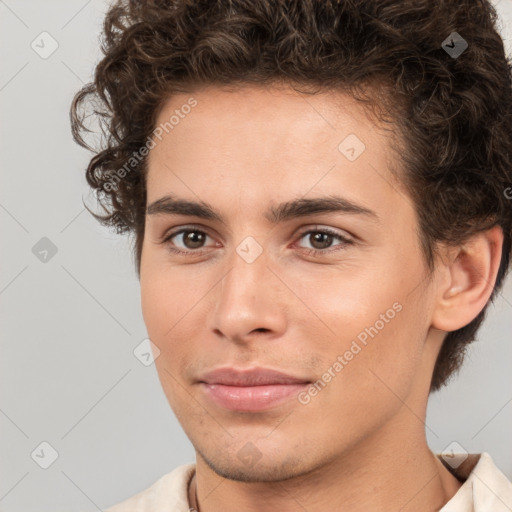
point(170, 492)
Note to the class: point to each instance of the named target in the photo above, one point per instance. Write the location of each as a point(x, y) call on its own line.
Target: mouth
point(251, 390)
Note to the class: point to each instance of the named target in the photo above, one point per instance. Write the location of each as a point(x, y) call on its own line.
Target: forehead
point(276, 117)
point(256, 143)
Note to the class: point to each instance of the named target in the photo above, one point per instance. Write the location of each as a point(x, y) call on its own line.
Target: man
point(318, 194)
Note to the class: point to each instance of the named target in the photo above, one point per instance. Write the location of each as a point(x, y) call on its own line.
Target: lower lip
point(251, 398)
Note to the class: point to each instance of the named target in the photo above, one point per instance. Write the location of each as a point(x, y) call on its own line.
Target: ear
point(466, 280)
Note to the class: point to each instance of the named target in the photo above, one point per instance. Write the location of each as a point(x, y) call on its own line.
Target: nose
point(248, 302)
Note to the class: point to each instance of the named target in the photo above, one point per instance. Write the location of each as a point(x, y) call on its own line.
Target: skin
point(359, 444)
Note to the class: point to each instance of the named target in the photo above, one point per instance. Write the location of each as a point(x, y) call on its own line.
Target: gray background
point(70, 324)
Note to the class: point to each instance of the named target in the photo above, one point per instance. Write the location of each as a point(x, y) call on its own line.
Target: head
point(351, 220)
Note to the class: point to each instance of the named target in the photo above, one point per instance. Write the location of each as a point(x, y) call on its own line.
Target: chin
point(256, 471)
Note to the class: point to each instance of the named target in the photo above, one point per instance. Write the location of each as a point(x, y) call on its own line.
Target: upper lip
point(249, 377)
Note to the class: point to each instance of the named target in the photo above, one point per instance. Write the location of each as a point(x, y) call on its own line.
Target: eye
point(321, 241)
point(192, 241)
point(186, 241)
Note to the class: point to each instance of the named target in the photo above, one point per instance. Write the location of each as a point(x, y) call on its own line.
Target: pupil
point(193, 239)
point(322, 238)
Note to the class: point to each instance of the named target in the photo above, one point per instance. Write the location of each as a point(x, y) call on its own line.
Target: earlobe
point(469, 276)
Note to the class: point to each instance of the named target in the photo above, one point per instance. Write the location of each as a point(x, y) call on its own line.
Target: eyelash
point(311, 252)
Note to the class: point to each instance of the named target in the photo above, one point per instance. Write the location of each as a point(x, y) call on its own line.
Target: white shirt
point(485, 489)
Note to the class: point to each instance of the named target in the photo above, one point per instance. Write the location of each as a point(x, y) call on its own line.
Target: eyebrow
point(285, 211)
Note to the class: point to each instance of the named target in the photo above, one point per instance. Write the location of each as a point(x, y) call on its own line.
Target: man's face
point(348, 322)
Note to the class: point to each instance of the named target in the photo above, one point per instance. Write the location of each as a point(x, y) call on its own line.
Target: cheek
point(167, 294)
point(164, 302)
point(173, 302)
point(371, 379)
point(155, 300)
point(340, 303)
point(369, 317)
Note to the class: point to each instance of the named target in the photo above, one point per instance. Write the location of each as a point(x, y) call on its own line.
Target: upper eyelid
point(314, 227)
point(331, 232)
point(179, 230)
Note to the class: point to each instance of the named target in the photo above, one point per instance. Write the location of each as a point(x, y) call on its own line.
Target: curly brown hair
point(453, 114)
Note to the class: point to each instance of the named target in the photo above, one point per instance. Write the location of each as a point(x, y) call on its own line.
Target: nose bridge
point(245, 300)
point(246, 277)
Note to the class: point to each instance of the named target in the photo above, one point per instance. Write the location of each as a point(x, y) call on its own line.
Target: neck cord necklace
point(192, 495)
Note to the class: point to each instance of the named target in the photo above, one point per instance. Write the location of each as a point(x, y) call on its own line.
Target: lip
point(250, 377)
point(251, 390)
